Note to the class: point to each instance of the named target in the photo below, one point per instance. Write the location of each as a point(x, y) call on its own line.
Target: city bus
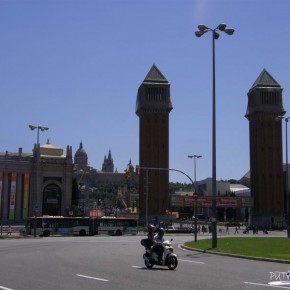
point(58, 225)
point(117, 226)
point(80, 226)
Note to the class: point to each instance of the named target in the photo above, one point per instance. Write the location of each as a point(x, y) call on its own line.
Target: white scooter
point(168, 258)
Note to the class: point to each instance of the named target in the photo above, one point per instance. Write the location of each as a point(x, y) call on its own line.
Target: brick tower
point(266, 156)
point(153, 107)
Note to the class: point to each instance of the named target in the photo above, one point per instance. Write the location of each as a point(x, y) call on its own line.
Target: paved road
point(104, 262)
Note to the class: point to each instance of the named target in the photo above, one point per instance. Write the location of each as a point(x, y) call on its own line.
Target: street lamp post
point(195, 195)
point(195, 156)
point(202, 29)
point(35, 201)
point(287, 173)
point(41, 128)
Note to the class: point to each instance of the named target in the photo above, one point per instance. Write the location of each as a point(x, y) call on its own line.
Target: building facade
point(153, 106)
point(266, 156)
point(35, 183)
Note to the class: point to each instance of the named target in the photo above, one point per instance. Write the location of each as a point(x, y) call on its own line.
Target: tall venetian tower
point(266, 155)
point(153, 107)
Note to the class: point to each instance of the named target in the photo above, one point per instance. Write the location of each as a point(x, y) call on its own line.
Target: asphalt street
point(105, 262)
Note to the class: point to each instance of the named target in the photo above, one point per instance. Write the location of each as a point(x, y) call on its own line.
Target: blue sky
point(75, 67)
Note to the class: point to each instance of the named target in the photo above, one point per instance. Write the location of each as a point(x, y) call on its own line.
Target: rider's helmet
point(151, 228)
point(161, 232)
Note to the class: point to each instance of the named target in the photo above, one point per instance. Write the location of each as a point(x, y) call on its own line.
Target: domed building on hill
point(81, 157)
point(104, 187)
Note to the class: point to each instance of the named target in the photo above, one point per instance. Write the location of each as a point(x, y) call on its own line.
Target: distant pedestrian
point(236, 230)
point(255, 230)
point(227, 230)
point(9, 231)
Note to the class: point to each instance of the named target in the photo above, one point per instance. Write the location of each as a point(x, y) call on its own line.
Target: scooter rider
point(148, 243)
point(157, 242)
point(150, 236)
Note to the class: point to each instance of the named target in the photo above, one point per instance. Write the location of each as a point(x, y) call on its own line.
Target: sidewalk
point(232, 232)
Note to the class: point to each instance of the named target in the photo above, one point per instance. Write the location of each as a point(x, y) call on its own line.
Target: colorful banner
point(1, 186)
point(25, 196)
point(206, 201)
point(12, 196)
point(96, 213)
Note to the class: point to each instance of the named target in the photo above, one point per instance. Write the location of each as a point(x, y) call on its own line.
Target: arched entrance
point(52, 200)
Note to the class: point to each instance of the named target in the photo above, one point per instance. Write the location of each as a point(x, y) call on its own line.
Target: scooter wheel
point(147, 262)
point(172, 263)
point(149, 265)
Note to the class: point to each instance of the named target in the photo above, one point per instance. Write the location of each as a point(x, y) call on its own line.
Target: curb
point(236, 256)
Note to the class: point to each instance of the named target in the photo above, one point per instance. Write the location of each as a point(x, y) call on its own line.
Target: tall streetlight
point(35, 201)
point(195, 195)
point(41, 128)
point(287, 174)
point(202, 29)
point(194, 156)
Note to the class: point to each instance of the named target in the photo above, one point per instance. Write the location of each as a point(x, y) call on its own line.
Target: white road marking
point(190, 261)
point(2, 287)
point(138, 267)
point(95, 278)
point(279, 283)
point(267, 285)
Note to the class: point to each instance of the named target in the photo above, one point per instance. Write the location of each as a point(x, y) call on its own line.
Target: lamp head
point(216, 35)
point(222, 27)
point(32, 127)
point(229, 31)
point(202, 27)
point(199, 33)
point(190, 156)
point(43, 128)
point(279, 118)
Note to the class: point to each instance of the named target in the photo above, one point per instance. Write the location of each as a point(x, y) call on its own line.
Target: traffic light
point(127, 172)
